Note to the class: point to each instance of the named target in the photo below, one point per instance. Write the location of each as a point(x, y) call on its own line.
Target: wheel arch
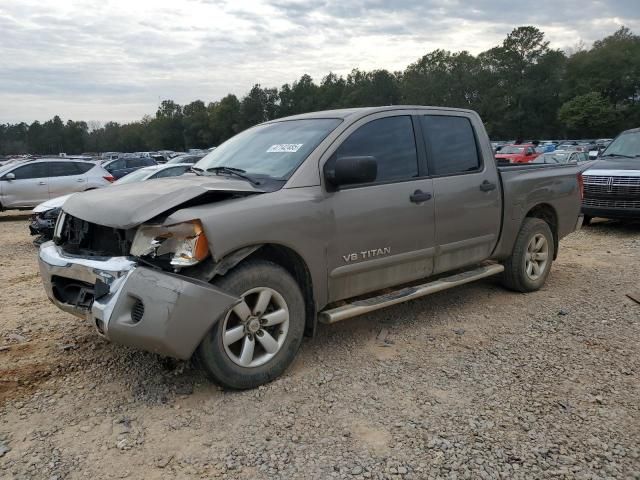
point(547, 213)
point(293, 263)
point(279, 254)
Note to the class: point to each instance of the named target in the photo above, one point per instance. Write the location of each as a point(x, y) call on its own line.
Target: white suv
point(29, 183)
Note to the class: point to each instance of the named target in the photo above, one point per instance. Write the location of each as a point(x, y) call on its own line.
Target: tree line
point(521, 88)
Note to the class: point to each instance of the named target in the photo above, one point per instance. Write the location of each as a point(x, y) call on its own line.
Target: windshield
point(274, 150)
point(510, 150)
point(626, 145)
point(136, 176)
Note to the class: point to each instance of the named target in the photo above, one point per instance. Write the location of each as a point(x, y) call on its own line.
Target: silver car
point(29, 183)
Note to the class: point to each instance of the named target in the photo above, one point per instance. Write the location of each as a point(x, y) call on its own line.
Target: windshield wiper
point(238, 172)
point(618, 155)
point(197, 171)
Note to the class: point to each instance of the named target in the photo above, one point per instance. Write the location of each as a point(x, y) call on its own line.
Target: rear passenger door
point(383, 231)
point(65, 178)
point(466, 191)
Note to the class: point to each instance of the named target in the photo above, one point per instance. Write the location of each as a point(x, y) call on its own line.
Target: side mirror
point(10, 176)
point(351, 170)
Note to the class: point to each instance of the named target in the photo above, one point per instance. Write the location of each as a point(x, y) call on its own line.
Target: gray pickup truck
point(312, 218)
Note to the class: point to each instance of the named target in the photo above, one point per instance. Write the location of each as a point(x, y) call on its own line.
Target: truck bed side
point(551, 192)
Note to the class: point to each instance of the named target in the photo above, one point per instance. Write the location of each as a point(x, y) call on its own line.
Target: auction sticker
point(285, 148)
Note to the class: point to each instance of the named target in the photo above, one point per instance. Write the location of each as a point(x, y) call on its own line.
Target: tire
point(230, 365)
point(520, 273)
point(586, 221)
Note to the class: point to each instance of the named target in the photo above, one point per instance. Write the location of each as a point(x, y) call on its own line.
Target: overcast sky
point(116, 59)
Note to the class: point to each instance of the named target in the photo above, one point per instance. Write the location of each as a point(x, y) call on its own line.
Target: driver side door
point(383, 232)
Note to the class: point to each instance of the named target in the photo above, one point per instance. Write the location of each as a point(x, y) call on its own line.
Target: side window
point(391, 141)
point(169, 172)
point(116, 165)
point(136, 162)
point(62, 169)
point(451, 144)
point(82, 168)
point(148, 161)
point(33, 170)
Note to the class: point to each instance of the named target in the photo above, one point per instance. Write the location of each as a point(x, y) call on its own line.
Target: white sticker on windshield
point(285, 148)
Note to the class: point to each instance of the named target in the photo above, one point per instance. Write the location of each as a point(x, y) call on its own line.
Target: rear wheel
point(256, 340)
point(527, 269)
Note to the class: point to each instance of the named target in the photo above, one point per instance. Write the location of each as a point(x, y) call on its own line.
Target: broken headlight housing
point(185, 243)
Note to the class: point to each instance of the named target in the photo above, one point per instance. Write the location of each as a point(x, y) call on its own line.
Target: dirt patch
point(476, 381)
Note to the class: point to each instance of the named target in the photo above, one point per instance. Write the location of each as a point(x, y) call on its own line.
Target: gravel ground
point(474, 383)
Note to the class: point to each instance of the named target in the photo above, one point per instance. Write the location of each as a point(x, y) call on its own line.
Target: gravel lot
point(474, 383)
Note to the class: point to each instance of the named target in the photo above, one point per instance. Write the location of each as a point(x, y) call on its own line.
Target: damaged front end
point(120, 281)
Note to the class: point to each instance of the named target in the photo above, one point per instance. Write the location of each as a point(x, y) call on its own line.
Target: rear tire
point(256, 340)
point(528, 267)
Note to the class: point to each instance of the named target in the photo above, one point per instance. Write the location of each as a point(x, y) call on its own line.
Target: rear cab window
point(451, 145)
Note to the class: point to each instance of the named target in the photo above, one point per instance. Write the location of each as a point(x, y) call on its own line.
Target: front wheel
point(256, 340)
point(528, 267)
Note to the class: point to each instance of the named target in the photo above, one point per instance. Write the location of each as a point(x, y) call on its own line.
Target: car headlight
point(185, 242)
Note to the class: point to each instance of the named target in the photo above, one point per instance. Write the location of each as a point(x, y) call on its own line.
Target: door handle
point(80, 180)
point(42, 183)
point(487, 186)
point(419, 196)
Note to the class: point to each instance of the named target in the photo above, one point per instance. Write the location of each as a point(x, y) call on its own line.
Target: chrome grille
point(607, 203)
point(603, 180)
point(613, 189)
point(606, 185)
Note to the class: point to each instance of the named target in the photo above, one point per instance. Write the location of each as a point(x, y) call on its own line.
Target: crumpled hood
point(126, 206)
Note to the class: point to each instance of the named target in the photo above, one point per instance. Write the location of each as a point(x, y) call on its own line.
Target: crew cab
point(521, 153)
point(312, 218)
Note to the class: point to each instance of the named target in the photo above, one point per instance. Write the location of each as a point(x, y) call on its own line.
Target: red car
point(523, 153)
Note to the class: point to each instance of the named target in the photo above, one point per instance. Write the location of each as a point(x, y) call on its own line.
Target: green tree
point(589, 115)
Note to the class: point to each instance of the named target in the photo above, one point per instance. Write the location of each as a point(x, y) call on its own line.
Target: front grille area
point(610, 203)
point(613, 189)
point(73, 292)
point(603, 180)
point(79, 237)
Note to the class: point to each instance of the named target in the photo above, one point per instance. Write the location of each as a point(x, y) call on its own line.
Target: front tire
point(256, 340)
point(528, 267)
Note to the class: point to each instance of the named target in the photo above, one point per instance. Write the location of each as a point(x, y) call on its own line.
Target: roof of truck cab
point(345, 113)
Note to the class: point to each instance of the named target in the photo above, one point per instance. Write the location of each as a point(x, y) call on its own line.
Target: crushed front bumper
point(153, 310)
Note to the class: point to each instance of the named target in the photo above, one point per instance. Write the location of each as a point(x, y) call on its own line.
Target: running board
point(360, 307)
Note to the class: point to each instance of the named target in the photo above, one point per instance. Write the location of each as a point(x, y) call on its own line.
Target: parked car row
point(45, 215)
point(23, 185)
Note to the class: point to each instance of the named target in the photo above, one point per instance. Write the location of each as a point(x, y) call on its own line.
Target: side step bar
point(360, 307)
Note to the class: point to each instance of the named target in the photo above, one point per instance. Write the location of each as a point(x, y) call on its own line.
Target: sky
point(117, 59)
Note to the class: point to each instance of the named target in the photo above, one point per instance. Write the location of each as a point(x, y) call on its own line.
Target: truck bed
point(524, 186)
